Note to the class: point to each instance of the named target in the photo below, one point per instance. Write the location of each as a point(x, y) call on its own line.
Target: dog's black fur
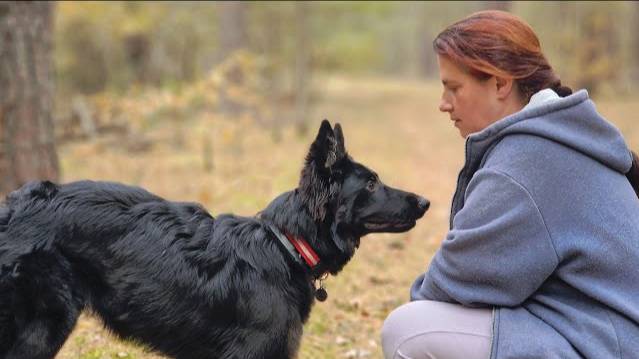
point(171, 276)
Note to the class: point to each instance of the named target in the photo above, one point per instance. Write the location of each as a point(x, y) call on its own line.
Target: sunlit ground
point(391, 126)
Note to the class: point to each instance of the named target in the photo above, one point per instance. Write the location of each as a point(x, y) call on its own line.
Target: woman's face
point(472, 104)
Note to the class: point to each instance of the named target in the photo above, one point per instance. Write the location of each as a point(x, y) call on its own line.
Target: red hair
point(497, 43)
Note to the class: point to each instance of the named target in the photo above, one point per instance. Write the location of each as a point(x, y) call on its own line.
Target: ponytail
point(633, 174)
point(561, 90)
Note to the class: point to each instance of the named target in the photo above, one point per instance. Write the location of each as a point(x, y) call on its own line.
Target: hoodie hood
point(572, 121)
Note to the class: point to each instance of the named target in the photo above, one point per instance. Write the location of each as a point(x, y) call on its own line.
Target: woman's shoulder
point(527, 151)
point(535, 161)
point(543, 165)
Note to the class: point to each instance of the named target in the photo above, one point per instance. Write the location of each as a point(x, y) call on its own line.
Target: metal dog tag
point(320, 294)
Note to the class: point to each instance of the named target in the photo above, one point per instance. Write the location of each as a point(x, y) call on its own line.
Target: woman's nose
point(445, 106)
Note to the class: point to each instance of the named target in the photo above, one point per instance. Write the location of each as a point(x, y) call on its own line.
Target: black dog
point(173, 277)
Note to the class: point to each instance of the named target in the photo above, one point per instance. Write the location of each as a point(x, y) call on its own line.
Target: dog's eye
point(371, 186)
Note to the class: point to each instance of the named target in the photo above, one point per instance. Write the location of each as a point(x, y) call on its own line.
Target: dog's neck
point(298, 248)
point(289, 214)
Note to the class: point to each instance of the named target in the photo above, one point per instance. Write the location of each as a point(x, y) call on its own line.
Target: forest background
point(217, 102)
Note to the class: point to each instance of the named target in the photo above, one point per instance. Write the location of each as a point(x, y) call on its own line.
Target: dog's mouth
point(393, 227)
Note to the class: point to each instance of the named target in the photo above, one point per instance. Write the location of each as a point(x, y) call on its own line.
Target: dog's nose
point(422, 204)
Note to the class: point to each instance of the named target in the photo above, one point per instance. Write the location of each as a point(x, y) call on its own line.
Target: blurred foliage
point(114, 45)
point(589, 43)
point(239, 79)
point(126, 67)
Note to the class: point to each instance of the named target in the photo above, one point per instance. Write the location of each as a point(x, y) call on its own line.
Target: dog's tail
point(633, 174)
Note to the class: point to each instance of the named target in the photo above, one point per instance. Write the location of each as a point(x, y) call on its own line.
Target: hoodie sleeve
point(498, 251)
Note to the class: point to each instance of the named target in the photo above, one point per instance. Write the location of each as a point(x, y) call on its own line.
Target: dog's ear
point(315, 182)
point(340, 147)
point(325, 150)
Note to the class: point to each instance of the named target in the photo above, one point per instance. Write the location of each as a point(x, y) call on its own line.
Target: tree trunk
point(635, 44)
point(271, 46)
point(302, 64)
point(598, 55)
point(27, 148)
point(232, 36)
point(232, 27)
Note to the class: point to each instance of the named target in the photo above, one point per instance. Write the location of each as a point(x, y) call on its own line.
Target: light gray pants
point(436, 330)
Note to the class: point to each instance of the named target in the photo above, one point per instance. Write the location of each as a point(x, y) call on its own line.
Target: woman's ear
point(504, 87)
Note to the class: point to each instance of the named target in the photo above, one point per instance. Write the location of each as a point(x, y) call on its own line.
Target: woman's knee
point(398, 326)
point(427, 329)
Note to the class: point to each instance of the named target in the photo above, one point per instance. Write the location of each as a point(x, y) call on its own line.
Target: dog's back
point(64, 248)
point(166, 273)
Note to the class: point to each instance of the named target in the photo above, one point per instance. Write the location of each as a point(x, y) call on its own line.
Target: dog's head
point(350, 197)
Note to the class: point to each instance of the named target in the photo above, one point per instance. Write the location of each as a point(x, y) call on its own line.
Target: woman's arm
point(498, 252)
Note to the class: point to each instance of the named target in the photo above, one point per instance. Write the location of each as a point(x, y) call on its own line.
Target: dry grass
point(394, 127)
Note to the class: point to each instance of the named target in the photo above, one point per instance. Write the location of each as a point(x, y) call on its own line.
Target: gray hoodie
point(545, 229)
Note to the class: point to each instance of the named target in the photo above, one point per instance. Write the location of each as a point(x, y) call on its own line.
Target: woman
point(542, 256)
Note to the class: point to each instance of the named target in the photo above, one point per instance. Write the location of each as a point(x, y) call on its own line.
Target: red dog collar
point(297, 247)
point(304, 249)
